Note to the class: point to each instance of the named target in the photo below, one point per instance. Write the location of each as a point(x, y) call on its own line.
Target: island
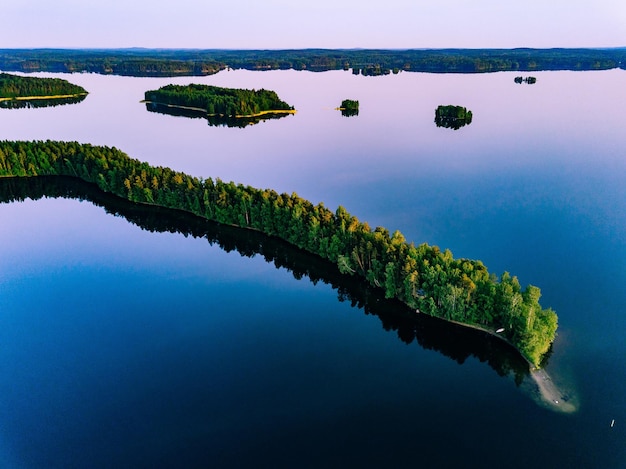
point(19, 91)
point(452, 117)
point(426, 279)
point(527, 80)
point(217, 102)
point(349, 108)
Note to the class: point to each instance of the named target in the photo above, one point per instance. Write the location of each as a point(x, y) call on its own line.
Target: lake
point(123, 345)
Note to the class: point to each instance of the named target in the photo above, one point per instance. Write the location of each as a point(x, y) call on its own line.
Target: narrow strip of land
point(32, 98)
point(422, 277)
point(238, 116)
point(550, 393)
point(548, 390)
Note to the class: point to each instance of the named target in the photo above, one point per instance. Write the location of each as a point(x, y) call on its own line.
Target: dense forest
point(455, 342)
point(14, 86)
point(368, 62)
point(426, 279)
point(229, 102)
point(452, 117)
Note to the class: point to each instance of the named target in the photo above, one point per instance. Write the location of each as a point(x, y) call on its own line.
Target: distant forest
point(370, 62)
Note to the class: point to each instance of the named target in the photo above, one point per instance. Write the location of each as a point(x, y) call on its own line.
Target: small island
point(527, 80)
point(18, 91)
point(349, 108)
point(217, 103)
point(452, 117)
point(428, 280)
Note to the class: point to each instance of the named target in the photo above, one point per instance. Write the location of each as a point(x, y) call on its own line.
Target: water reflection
point(37, 103)
point(213, 120)
point(456, 342)
point(349, 112)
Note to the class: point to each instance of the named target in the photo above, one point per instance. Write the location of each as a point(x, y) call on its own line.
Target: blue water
point(120, 347)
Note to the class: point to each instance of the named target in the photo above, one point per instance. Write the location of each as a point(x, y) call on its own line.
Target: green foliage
point(349, 107)
point(13, 86)
point(423, 277)
point(350, 104)
point(368, 62)
point(40, 102)
point(215, 100)
point(452, 117)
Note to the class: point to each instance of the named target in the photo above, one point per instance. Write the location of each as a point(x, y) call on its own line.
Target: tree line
point(369, 62)
point(457, 343)
point(215, 100)
point(14, 86)
point(425, 278)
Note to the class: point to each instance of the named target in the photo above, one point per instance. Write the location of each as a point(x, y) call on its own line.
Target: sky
point(296, 24)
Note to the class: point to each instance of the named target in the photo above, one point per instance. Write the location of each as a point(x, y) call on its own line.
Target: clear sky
point(293, 24)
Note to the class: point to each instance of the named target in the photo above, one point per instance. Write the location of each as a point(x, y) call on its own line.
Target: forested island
point(215, 101)
point(367, 62)
point(452, 117)
point(349, 108)
point(20, 91)
point(426, 279)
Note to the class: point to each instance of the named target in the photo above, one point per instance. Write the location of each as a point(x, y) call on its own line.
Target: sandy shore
point(199, 109)
point(550, 393)
point(33, 98)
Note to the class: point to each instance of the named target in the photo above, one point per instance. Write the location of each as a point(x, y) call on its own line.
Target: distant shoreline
point(365, 62)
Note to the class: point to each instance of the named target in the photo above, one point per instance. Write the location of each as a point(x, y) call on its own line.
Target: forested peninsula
point(455, 342)
point(369, 62)
point(19, 88)
point(428, 280)
point(218, 101)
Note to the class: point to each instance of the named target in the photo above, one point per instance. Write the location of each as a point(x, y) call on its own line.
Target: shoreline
point(550, 394)
point(33, 98)
point(548, 391)
point(492, 333)
point(242, 116)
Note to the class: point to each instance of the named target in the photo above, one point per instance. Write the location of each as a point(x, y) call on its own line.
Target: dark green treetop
point(349, 107)
point(214, 100)
point(452, 117)
point(14, 86)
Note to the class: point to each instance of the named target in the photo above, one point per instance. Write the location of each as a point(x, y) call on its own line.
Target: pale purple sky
point(292, 24)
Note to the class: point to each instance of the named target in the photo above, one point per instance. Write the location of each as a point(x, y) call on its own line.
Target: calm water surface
point(121, 347)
